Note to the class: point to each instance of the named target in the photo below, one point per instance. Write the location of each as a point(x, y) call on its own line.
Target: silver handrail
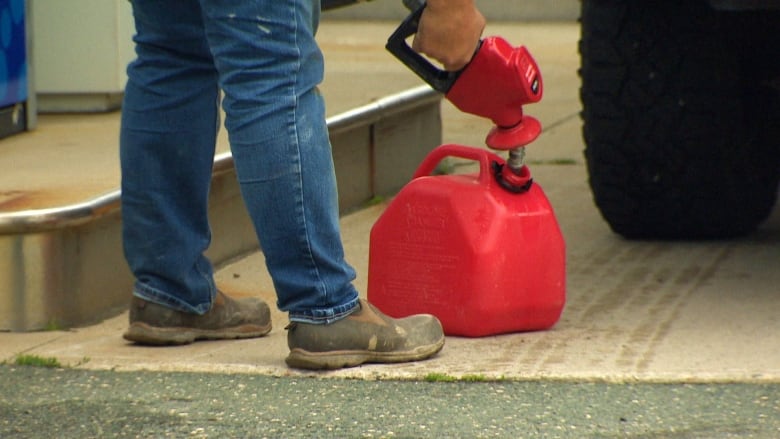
point(40, 220)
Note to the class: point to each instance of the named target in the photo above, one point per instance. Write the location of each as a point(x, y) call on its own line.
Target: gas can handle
point(440, 80)
point(484, 157)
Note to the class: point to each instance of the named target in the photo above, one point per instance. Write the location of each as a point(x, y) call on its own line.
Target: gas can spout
point(516, 159)
point(514, 176)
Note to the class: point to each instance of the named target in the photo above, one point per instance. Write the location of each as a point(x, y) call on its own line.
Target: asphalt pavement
point(68, 403)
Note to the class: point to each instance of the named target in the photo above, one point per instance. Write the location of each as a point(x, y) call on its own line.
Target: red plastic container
point(461, 247)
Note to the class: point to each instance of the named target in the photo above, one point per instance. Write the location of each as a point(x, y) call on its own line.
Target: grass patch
point(436, 377)
point(374, 201)
point(446, 167)
point(559, 161)
point(37, 361)
point(53, 325)
point(479, 378)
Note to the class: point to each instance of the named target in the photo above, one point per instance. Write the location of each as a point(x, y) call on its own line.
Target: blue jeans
point(263, 56)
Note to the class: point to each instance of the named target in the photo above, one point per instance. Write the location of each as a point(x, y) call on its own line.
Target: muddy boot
point(365, 336)
point(228, 318)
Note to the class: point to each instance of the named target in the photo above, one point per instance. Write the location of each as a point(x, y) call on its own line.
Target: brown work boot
point(228, 318)
point(365, 336)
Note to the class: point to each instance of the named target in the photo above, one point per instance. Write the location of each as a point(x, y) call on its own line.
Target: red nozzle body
point(498, 81)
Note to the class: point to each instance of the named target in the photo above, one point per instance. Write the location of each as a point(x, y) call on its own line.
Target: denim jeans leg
point(167, 141)
point(269, 67)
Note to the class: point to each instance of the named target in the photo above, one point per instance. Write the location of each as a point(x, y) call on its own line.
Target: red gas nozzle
point(498, 81)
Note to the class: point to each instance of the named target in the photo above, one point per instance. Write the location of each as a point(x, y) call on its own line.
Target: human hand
point(449, 32)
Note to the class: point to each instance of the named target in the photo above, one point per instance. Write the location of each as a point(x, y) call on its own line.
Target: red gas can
point(482, 259)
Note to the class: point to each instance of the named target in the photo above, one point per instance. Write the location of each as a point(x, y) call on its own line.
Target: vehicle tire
point(681, 117)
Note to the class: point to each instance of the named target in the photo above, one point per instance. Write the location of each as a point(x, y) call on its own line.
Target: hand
point(449, 32)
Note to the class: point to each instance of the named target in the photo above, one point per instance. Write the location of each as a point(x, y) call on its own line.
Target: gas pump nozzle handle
point(498, 80)
point(414, 5)
point(440, 80)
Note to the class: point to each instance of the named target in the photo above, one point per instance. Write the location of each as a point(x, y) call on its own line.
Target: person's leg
point(269, 66)
point(167, 141)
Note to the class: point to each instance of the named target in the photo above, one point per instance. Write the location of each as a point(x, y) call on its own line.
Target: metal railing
point(40, 220)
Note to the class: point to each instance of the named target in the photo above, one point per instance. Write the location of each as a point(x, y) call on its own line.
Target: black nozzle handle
point(414, 5)
point(440, 80)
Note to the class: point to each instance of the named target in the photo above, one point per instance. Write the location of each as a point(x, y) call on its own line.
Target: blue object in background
point(13, 54)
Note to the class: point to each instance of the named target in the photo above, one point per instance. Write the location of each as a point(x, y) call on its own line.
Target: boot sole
point(142, 333)
point(302, 359)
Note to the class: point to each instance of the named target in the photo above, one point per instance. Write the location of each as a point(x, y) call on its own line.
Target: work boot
point(228, 318)
point(365, 336)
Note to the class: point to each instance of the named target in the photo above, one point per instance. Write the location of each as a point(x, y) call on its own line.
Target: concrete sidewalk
point(636, 311)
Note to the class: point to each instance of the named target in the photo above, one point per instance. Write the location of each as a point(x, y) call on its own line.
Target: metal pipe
point(40, 220)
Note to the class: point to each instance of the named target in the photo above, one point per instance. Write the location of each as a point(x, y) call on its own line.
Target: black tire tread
point(681, 117)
